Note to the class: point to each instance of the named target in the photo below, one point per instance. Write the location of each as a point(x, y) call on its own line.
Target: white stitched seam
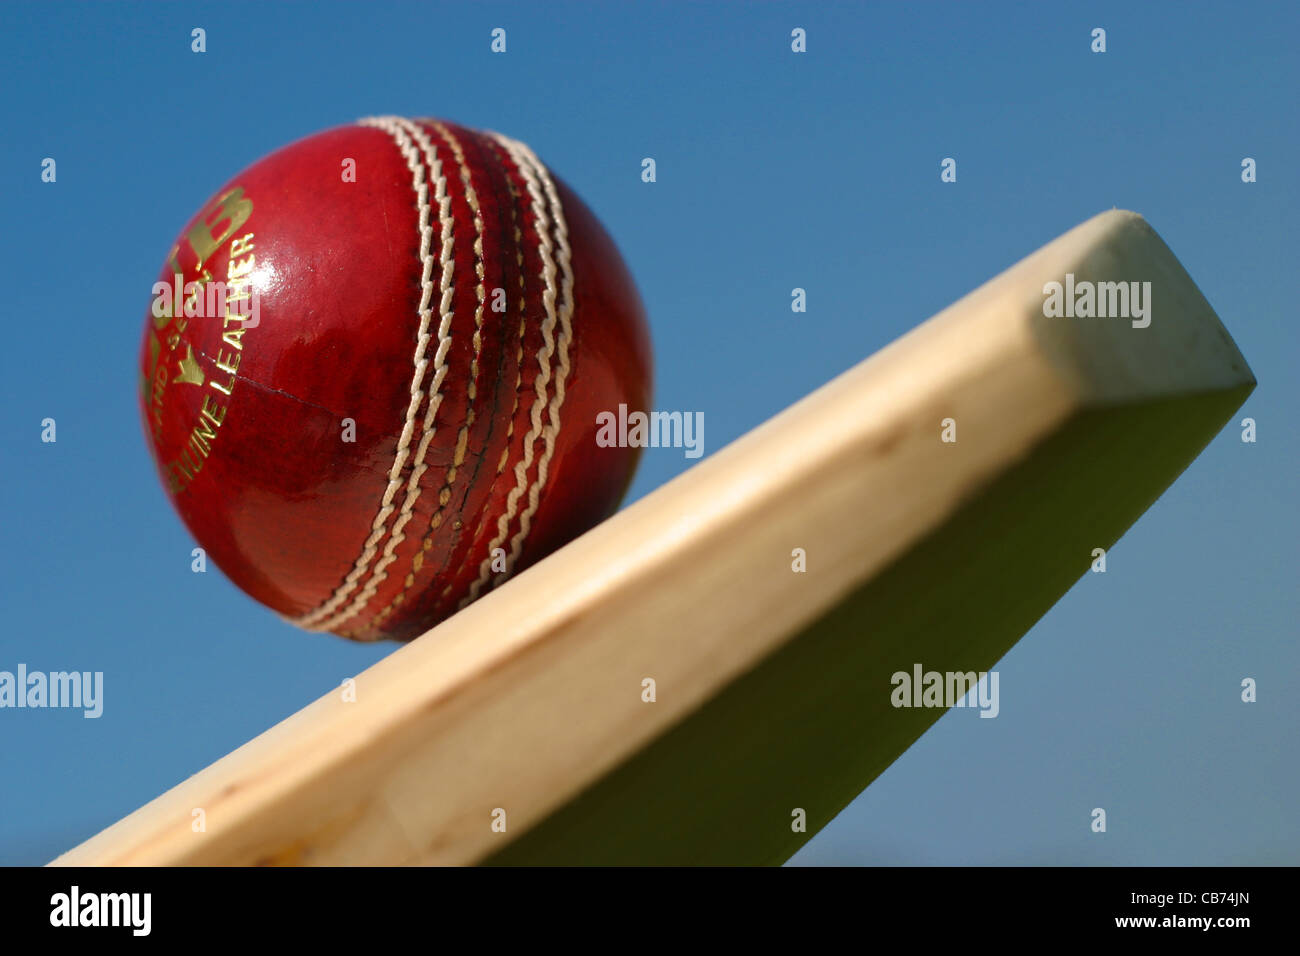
point(413, 489)
point(552, 431)
point(533, 171)
point(407, 135)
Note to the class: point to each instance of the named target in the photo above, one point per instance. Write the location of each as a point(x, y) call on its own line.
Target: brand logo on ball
point(172, 362)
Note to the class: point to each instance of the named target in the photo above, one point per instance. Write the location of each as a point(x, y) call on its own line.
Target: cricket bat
point(712, 663)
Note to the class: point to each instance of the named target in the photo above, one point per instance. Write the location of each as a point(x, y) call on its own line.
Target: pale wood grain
point(772, 686)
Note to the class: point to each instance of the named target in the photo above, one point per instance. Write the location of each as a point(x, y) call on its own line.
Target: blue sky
point(775, 170)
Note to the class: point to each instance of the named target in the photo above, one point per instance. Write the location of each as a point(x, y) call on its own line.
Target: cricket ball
point(372, 369)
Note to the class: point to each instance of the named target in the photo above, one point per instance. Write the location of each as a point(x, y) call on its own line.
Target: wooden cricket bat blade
point(519, 731)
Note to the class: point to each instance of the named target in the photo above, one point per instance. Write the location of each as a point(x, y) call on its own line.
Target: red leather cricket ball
point(372, 393)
